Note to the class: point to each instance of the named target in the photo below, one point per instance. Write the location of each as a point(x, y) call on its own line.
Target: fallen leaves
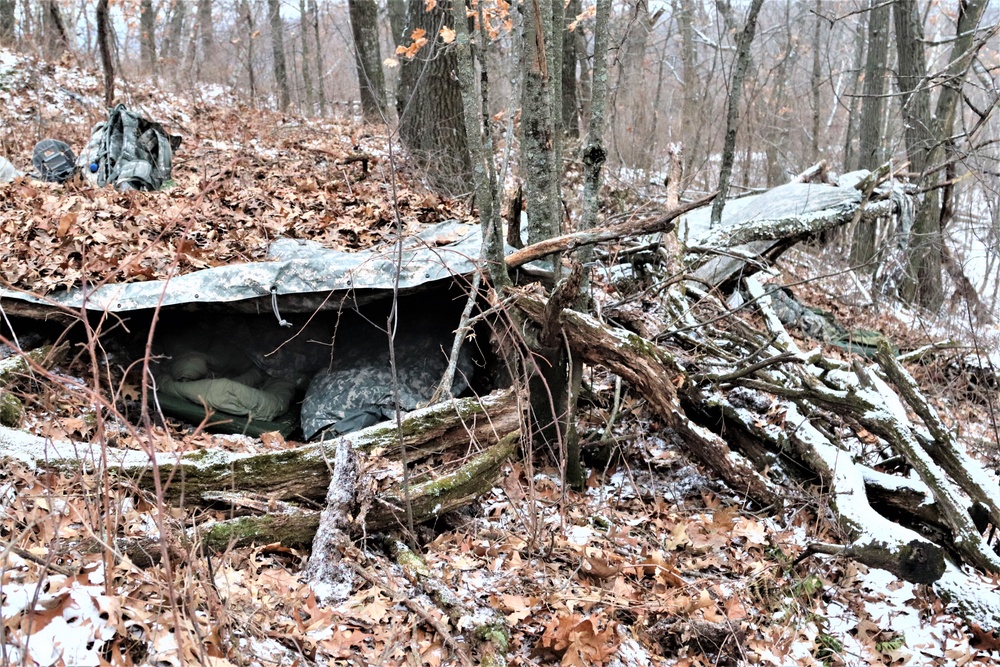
point(580, 641)
point(226, 207)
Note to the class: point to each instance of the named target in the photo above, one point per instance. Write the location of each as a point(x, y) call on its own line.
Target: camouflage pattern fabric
point(357, 391)
point(294, 267)
point(130, 151)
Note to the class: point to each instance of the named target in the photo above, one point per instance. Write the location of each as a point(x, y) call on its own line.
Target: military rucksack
point(129, 152)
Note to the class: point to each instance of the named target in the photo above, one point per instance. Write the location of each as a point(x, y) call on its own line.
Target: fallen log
point(302, 473)
point(765, 226)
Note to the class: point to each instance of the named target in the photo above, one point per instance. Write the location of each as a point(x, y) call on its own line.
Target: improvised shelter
point(225, 354)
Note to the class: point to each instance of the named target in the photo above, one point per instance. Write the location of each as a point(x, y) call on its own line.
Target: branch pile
point(765, 415)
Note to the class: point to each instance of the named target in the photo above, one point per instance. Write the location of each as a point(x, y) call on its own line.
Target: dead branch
point(626, 229)
point(651, 370)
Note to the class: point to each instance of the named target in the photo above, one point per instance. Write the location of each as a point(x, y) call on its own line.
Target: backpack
point(129, 152)
point(53, 161)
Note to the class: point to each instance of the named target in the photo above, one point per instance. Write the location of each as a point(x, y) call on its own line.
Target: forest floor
point(619, 574)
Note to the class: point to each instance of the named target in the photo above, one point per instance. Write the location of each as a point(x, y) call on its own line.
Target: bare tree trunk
point(206, 31)
point(684, 11)
point(368, 59)
point(583, 60)
point(479, 141)
point(429, 102)
point(103, 44)
point(175, 31)
point(570, 105)
point(817, 73)
point(56, 39)
point(922, 283)
point(594, 156)
point(397, 20)
point(776, 127)
point(7, 22)
point(251, 30)
point(307, 83)
point(852, 89)
point(962, 54)
point(538, 161)
point(320, 69)
point(278, 52)
point(870, 150)
point(733, 113)
point(147, 36)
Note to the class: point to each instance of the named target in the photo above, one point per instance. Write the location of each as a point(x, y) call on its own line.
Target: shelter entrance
point(330, 372)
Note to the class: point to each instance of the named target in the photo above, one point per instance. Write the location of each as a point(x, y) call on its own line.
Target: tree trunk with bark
point(570, 104)
point(175, 31)
point(594, 157)
point(251, 31)
point(733, 108)
point(870, 150)
point(368, 59)
point(104, 46)
point(305, 38)
point(320, 68)
point(816, 80)
point(397, 20)
point(922, 281)
point(477, 131)
point(7, 22)
point(206, 33)
point(56, 39)
point(147, 36)
point(540, 171)
point(684, 14)
point(429, 102)
point(850, 132)
point(278, 52)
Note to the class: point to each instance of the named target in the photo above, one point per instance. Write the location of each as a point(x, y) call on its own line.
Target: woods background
point(851, 83)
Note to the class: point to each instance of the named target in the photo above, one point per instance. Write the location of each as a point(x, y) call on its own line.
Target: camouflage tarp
point(442, 251)
point(346, 385)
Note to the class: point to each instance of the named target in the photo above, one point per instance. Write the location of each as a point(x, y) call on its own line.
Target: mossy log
point(284, 475)
point(18, 364)
point(11, 409)
point(430, 496)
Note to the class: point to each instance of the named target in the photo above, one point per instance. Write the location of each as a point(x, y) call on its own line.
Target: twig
point(58, 569)
point(416, 608)
point(444, 389)
point(749, 370)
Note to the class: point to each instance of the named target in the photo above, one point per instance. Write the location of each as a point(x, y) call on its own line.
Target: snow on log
point(491, 423)
point(965, 470)
point(765, 225)
point(330, 580)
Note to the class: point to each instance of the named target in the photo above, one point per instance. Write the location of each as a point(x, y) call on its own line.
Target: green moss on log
point(11, 409)
point(295, 531)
